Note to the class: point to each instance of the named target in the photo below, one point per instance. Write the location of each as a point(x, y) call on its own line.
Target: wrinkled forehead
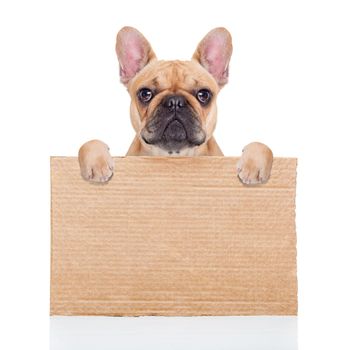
point(174, 76)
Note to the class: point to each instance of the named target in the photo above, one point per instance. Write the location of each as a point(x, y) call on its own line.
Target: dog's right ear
point(133, 51)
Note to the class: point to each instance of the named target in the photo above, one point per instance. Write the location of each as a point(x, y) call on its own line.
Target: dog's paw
point(96, 164)
point(254, 166)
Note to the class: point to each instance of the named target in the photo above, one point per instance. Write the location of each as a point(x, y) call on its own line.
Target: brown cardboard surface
point(173, 236)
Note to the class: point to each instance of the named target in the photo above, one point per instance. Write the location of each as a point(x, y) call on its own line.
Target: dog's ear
point(133, 51)
point(214, 53)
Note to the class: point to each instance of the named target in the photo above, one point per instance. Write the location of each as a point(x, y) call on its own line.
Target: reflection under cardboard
point(174, 333)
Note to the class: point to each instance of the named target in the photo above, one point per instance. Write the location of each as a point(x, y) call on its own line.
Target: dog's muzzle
point(174, 125)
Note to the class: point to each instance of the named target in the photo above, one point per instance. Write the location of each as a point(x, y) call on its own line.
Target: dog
point(173, 107)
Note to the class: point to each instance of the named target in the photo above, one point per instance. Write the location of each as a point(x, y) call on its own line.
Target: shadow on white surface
point(173, 333)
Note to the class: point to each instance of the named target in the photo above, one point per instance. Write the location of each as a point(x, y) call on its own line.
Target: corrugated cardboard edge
point(293, 162)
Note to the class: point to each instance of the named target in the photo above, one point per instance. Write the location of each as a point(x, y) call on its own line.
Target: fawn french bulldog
point(173, 107)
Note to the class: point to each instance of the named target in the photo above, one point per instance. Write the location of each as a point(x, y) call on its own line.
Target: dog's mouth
point(173, 133)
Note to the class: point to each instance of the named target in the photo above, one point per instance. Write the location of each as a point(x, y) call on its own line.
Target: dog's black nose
point(174, 102)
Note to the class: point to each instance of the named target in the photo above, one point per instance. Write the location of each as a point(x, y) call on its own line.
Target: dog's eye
point(145, 95)
point(203, 96)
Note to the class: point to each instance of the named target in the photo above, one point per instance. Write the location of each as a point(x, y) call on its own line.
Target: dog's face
point(173, 103)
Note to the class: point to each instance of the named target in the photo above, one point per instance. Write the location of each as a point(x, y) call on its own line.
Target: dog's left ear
point(214, 53)
point(133, 51)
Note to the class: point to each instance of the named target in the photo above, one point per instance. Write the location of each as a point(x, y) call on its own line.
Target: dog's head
point(173, 103)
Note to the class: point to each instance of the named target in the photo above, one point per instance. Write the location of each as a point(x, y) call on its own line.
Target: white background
point(289, 87)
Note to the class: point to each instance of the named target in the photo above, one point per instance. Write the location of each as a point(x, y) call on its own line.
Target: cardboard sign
point(173, 236)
